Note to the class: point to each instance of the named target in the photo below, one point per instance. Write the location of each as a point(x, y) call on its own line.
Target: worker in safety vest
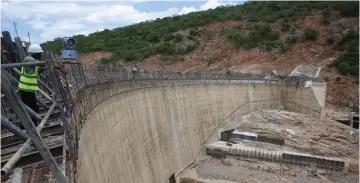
point(28, 84)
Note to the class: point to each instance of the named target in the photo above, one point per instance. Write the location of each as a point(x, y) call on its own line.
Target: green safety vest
point(29, 74)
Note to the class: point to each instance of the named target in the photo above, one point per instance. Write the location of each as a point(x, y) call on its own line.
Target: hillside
point(257, 37)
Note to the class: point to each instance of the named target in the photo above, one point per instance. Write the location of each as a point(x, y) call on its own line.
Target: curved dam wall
point(147, 134)
point(147, 130)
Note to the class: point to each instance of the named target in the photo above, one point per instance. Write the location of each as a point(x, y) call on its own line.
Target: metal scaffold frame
point(24, 113)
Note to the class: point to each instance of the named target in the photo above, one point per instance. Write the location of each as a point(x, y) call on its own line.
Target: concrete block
point(187, 180)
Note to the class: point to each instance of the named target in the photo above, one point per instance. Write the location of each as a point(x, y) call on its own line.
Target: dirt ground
point(236, 169)
point(93, 57)
point(304, 134)
point(219, 55)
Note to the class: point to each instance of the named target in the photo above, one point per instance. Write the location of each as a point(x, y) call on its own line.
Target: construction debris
point(313, 151)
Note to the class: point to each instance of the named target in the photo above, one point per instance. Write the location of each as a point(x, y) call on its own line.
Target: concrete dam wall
point(148, 130)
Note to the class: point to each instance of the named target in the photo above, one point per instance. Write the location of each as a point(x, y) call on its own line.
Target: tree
point(309, 35)
point(168, 37)
point(178, 38)
point(155, 31)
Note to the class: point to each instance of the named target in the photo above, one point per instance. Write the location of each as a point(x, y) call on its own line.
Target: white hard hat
point(35, 48)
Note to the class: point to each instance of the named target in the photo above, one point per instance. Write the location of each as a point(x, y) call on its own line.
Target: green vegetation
point(283, 47)
point(329, 41)
point(285, 26)
point(142, 40)
point(325, 21)
point(291, 40)
point(168, 37)
point(347, 9)
point(348, 60)
point(193, 32)
point(261, 35)
point(178, 38)
point(309, 35)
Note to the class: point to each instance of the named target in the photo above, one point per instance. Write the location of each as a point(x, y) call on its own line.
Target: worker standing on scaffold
point(28, 84)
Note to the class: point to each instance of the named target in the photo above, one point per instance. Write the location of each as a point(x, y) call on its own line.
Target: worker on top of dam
point(135, 70)
point(28, 84)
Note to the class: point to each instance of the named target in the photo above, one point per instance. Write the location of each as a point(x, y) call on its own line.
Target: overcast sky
point(46, 20)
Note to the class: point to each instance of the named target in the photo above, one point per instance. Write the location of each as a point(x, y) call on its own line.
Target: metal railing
point(98, 80)
point(84, 75)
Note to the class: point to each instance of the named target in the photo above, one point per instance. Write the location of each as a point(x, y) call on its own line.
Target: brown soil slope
point(219, 55)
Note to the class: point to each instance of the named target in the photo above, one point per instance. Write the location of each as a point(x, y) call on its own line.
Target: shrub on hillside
point(253, 17)
point(104, 60)
point(193, 32)
point(283, 47)
point(190, 48)
point(168, 37)
point(291, 40)
point(343, 68)
point(178, 38)
point(348, 60)
point(190, 37)
point(239, 27)
point(165, 48)
point(154, 37)
point(269, 45)
point(293, 31)
point(285, 26)
point(325, 21)
point(248, 26)
point(329, 41)
point(260, 36)
point(309, 35)
point(270, 18)
point(326, 12)
point(350, 9)
point(130, 55)
point(132, 38)
point(233, 34)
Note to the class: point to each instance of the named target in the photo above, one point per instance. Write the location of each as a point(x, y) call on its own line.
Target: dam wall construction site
point(206, 91)
point(158, 126)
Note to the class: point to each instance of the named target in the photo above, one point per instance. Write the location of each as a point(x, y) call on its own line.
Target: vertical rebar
point(59, 100)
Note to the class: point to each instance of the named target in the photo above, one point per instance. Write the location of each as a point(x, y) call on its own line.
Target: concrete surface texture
point(147, 134)
point(300, 132)
point(307, 100)
point(249, 170)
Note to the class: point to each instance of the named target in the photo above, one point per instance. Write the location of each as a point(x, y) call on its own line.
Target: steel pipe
point(17, 175)
point(56, 86)
point(31, 112)
point(64, 157)
point(14, 65)
point(45, 86)
point(43, 104)
point(15, 158)
point(13, 129)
